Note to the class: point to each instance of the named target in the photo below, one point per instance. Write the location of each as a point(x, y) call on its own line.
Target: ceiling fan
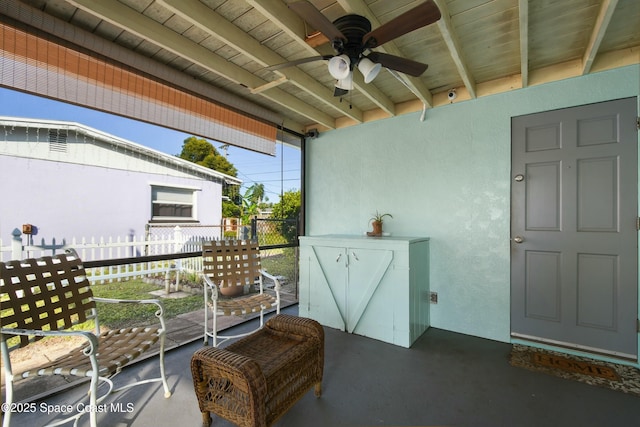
point(352, 39)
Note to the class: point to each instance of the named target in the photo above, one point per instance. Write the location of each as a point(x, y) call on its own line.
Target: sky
point(278, 174)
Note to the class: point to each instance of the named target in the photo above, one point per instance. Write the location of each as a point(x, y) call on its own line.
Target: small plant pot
point(377, 228)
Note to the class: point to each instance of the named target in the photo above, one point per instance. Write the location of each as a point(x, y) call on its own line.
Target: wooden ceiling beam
point(600, 28)
point(123, 17)
point(287, 20)
point(451, 40)
point(203, 17)
point(523, 15)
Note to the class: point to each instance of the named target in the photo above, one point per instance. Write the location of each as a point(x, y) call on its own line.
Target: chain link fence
point(278, 241)
point(274, 232)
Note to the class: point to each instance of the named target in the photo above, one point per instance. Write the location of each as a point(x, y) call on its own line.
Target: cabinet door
point(369, 304)
point(327, 285)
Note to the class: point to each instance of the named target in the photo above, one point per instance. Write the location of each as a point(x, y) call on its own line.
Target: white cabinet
point(376, 287)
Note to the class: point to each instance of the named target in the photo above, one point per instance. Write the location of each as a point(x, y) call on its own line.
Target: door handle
point(518, 239)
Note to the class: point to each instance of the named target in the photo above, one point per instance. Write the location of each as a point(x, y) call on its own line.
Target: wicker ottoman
point(255, 380)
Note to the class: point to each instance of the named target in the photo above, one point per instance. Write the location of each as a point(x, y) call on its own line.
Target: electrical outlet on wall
point(433, 297)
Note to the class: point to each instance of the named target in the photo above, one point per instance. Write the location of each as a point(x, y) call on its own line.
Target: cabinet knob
point(338, 258)
point(355, 256)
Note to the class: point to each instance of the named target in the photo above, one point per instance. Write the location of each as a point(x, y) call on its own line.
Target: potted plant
point(376, 221)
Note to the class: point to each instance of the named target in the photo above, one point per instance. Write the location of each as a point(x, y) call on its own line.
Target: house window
point(172, 204)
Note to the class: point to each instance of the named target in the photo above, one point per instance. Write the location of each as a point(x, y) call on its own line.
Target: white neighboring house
point(69, 180)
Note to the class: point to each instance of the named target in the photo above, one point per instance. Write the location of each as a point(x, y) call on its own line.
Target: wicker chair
point(231, 269)
point(45, 297)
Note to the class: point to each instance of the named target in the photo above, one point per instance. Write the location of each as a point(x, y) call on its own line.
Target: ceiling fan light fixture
point(339, 67)
point(369, 69)
point(346, 83)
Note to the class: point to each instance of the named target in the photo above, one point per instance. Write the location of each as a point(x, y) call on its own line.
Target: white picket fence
point(179, 241)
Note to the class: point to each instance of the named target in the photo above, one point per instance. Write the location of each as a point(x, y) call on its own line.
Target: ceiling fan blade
point(313, 16)
point(297, 62)
point(418, 17)
point(397, 63)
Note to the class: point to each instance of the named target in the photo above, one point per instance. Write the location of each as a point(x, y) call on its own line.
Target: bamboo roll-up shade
point(34, 62)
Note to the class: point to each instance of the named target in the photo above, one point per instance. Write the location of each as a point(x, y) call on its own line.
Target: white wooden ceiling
point(478, 47)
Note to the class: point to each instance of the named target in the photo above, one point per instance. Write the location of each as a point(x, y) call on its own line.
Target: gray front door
point(574, 259)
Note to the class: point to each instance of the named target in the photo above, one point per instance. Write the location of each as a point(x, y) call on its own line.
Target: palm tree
point(251, 201)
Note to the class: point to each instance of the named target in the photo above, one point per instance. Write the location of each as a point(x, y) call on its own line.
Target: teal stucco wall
point(447, 177)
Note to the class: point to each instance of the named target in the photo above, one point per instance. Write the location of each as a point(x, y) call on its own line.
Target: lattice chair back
point(53, 293)
point(234, 265)
point(233, 275)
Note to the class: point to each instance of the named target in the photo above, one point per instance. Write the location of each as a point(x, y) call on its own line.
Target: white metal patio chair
point(46, 297)
point(233, 276)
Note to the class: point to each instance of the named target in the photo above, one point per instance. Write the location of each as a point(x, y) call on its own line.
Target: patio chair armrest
point(211, 285)
point(217, 372)
point(276, 281)
point(130, 301)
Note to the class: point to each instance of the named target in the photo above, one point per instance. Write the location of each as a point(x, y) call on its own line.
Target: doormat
point(594, 372)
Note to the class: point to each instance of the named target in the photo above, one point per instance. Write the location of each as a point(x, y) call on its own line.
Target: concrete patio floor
point(445, 379)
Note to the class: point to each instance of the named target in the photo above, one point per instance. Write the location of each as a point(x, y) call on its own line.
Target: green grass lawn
point(116, 316)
